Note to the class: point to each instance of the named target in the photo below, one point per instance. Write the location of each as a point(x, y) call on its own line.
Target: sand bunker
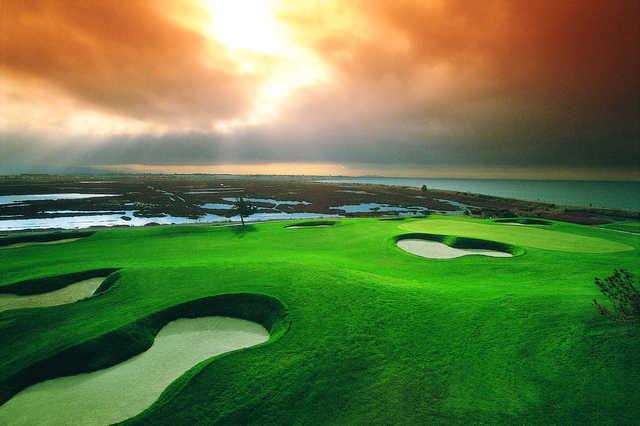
point(69, 294)
point(523, 221)
point(33, 243)
point(437, 250)
point(117, 393)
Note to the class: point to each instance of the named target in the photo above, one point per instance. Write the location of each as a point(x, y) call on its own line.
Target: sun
point(246, 25)
point(261, 46)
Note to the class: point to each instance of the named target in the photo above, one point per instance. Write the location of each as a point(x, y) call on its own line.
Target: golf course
point(435, 320)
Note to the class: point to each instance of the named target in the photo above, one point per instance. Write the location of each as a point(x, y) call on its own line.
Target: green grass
point(376, 334)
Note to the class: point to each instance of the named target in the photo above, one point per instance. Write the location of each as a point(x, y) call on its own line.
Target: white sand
point(69, 294)
point(307, 226)
point(33, 243)
point(436, 250)
point(124, 390)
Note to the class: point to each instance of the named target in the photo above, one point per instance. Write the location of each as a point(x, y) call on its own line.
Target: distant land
point(31, 202)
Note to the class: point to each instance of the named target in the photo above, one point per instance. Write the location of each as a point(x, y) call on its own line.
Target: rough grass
point(377, 335)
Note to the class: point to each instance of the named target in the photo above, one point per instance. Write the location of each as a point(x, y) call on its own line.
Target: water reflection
point(79, 222)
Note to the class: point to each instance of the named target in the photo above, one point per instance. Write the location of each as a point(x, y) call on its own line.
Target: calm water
point(623, 195)
point(377, 207)
point(80, 222)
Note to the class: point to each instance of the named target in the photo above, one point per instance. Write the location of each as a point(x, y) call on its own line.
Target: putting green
point(518, 235)
point(69, 294)
point(122, 391)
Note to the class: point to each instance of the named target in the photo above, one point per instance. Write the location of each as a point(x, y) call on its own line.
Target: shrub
point(623, 295)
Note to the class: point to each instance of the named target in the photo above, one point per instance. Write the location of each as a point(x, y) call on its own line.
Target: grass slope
point(376, 334)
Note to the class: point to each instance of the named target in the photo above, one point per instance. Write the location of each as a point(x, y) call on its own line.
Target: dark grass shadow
point(241, 230)
point(312, 224)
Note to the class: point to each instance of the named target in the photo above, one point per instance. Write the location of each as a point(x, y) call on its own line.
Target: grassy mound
point(524, 221)
point(116, 346)
point(464, 243)
point(43, 238)
point(312, 223)
point(393, 218)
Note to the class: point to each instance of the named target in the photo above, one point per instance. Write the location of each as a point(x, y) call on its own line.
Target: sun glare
point(261, 46)
point(246, 25)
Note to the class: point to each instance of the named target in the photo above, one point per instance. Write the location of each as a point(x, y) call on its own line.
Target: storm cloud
point(442, 82)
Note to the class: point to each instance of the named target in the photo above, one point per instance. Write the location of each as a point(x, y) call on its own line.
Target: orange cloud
point(128, 57)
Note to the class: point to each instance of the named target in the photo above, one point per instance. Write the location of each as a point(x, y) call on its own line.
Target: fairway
point(359, 331)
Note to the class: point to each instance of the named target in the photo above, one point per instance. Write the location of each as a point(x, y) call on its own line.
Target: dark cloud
point(492, 82)
point(455, 82)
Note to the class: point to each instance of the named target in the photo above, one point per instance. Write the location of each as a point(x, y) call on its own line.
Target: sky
point(549, 88)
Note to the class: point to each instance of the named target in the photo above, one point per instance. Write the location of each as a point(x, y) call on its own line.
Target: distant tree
point(623, 295)
point(243, 208)
point(424, 188)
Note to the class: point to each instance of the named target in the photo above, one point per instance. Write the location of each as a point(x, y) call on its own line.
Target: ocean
point(622, 195)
